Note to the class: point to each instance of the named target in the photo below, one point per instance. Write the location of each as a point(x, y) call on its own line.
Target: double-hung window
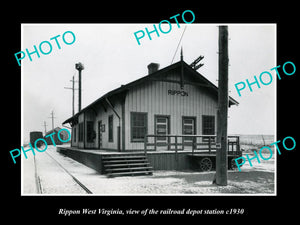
point(138, 126)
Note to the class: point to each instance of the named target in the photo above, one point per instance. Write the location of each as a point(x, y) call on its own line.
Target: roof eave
point(142, 79)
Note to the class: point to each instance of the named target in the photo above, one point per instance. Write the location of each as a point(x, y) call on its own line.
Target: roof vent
point(152, 67)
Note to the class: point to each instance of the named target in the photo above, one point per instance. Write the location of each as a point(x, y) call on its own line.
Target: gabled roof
point(56, 129)
point(202, 80)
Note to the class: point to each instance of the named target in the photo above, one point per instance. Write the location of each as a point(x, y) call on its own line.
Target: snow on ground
point(53, 178)
point(29, 185)
point(258, 179)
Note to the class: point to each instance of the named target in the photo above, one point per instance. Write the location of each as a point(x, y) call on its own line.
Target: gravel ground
point(258, 179)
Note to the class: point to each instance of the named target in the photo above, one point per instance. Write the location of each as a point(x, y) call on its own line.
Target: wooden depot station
point(165, 120)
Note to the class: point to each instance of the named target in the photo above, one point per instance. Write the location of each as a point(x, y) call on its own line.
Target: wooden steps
point(126, 165)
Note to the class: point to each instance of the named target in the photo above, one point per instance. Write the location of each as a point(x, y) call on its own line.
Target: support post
point(145, 144)
point(73, 97)
point(176, 157)
point(193, 145)
point(119, 127)
point(221, 153)
point(209, 144)
point(119, 138)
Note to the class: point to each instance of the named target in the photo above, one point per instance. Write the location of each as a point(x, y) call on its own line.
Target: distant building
point(34, 135)
point(62, 134)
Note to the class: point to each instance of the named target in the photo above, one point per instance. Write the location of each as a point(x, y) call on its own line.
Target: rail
point(197, 143)
point(38, 181)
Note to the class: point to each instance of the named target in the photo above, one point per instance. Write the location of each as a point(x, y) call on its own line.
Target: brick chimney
point(152, 67)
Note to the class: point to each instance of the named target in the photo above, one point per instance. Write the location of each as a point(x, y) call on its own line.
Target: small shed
point(63, 134)
point(34, 135)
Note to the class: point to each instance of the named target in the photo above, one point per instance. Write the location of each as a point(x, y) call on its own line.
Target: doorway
point(188, 128)
point(162, 127)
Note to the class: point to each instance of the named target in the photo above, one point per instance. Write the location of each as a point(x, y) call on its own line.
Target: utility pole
point(45, 127)
point(52, 117)
point(222, 139)
point(73, 90)
point(79, 66)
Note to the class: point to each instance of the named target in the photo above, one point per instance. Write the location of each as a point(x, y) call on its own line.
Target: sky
point(112, 57)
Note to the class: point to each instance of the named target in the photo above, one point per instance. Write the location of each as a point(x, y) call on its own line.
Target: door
point(162, 127)
point(188, 128)
point(100, 129)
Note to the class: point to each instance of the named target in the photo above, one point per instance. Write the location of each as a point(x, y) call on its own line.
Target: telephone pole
point(45, 125)
point(221, 153)
point(52, 117)
point(73, 90)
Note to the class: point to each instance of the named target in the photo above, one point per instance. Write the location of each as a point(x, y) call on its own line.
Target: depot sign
point(178, 92)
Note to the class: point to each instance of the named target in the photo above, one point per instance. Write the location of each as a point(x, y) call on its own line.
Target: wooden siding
point(98, 113)
point(74, 140)
point(89, 116)
point(102, 115)
point(89, 159)
point(169, 161)
point(80, 120)
point(152, 97)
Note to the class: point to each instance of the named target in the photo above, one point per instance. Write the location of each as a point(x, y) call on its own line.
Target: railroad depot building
point(175, 100)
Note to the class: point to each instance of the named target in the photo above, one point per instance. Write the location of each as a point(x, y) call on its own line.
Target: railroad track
point(38, 180)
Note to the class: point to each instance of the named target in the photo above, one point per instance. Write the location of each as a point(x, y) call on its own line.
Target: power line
point(178, 44)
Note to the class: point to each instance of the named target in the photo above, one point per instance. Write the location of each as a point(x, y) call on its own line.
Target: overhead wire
point(178, 44)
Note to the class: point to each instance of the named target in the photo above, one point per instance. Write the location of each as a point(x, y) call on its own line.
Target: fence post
point(193, 145)
point(176, 148)
point(238, 144)
point(209, 145)
point(155, 143)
